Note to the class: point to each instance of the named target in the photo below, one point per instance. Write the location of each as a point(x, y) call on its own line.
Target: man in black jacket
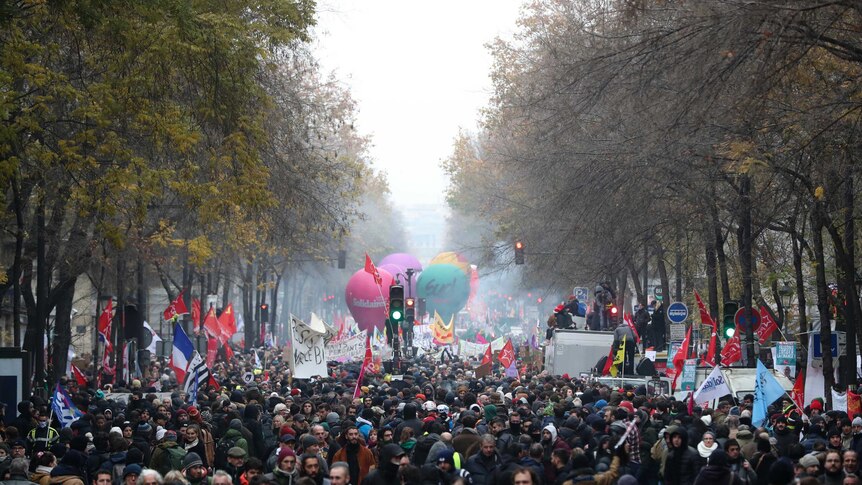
point(392, 457)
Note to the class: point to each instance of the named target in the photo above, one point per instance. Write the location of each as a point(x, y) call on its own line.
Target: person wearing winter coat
point(681, 463)
point(706, 448)
point(717, 471)
point(392, 457)
point(70, 470)
point(286, 472)
point(45, 462)
point(18, 471)
point(582, 472)
point(551, 441)
point(161, 460)
point(738, 464)
point(483, 464)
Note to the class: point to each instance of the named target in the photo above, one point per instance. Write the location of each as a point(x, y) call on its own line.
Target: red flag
point(212, 351)
point(681, 355)
point(480, 339)
point(766, 327)
point(80, 378)
point(214, 383)
point(196, 314)
point(705, 317)
point(211, 323)
point(798, 392)
point(105, 323)
point(710, 354)
point(854, 403)
point(227, 322)
point(732, 351)
point(628, 319)
point(177, 307)
point(228, 352)
point(366, 362)
point(609, 363)
point(486, 359)
point(370, 268)
point(507, 354)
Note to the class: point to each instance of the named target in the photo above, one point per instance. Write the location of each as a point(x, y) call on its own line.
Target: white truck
point(576, 352)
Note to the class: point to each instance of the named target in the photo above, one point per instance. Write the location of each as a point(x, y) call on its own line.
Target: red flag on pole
point(798, 392)
point(507, 354)
point(211, 323)
point(365, 363)
point(710, 354)
point(80, 378)
point(705, 317)
point(227, 323)
point(212, 351)
point(609, 363)
point(196, 314)
point(766, 327)
point(370, 268)
point(105, 323)
point(732, 351)
point(228, 352)
point(627, 317)
point(486, 359)
point(177, 307)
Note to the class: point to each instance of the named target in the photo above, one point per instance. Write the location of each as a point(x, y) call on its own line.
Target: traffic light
point(420, 307)
point(519, 252)
point(396, 304)
point(410, 309)
point(342, 259)
point(728, 317)
point(264, 312)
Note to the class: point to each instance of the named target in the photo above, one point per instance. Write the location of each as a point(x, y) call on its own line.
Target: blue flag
point(766, 391)
point(65, 410)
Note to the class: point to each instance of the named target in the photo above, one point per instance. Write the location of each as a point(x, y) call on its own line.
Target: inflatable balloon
point(453, 258)
point(395, 270)
point(363, 297)
point(445, 288)
point(404, 261)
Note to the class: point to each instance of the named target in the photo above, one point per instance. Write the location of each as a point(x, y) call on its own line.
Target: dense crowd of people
point(437, 424)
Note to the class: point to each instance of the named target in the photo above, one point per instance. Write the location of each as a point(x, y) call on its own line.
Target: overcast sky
point(419, 71)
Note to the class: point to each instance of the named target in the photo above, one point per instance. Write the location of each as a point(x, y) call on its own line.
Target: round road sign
point(677, 312)
point(742, 322)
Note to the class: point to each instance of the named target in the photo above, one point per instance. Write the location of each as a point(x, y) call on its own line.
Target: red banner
point(732, 351)
point(177, 307)
point(212, 351)
point(705, 317)
point(766, 327)
point(507, 354)
point(798, 392)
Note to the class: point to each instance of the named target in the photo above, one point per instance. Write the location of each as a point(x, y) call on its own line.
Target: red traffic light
point(409, 302)
point(519, 245)
point(264, 306)
point(539, 300)
point(613, 310)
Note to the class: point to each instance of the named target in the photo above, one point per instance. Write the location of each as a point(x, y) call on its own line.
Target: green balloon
point(445, 288)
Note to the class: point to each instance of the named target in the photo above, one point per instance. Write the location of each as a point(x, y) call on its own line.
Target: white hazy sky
point(418, 71)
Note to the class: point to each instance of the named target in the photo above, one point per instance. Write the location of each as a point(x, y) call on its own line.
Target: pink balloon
point(393, 269)
point(363, 297)
point(404, 261)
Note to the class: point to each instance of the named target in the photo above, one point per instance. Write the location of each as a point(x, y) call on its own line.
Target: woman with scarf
point(705, 448)
point(194, 444)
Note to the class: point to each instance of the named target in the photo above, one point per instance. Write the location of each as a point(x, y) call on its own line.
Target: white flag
point(197, 372)
point(714, 387)
point(156, 338)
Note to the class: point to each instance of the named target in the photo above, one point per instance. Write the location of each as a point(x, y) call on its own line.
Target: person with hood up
point(392, 457)
point(285, 472)
point(717, 470)
point(551, 441)
point(70, 470)
point(681, 463)
point(410, 421)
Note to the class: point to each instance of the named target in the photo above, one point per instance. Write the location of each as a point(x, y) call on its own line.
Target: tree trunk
point(800, 296)
point(43, 282)
point(711, 277)
point(678, 270)
point(720, 256)
point(745, 261)
point(665, 283)
point(62, 327)
point(17, 264)
point(823, 303)
point(640, 291)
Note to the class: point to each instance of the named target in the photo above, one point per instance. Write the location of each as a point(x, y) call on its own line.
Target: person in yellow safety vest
point(43, 435)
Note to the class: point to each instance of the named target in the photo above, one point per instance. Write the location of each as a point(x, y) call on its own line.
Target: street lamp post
point(785, 293)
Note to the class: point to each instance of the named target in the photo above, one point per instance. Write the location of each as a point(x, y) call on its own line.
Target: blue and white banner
point(714, 387)
point(66, 411)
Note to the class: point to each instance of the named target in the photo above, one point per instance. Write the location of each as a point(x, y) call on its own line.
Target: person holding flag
point(624, 339)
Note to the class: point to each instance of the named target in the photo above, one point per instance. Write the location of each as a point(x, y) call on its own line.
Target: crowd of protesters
point(437, 424)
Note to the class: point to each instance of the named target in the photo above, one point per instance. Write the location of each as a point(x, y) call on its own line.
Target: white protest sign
point(350, 349)
point(309, 355)
point(470, 349)
point(497, 345)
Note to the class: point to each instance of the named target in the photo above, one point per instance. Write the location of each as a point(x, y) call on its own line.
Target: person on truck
point(623, 333)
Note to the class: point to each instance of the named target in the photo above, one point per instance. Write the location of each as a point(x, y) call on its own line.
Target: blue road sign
point(677, 312)
point(581, 293)
point(743, 322)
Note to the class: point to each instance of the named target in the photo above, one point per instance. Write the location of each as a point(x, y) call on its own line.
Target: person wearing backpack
point(168, 455)
point(232, 437)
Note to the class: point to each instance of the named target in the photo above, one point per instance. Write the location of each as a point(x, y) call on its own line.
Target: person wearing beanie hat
point(810, 466)
point(285, 472)
point(193, 469)
point(168, 455)
point(131, 473)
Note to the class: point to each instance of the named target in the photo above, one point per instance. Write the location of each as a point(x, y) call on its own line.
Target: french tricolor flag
point(182, 353)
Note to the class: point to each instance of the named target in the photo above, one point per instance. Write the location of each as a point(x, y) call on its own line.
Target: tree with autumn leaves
point(193, 143)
